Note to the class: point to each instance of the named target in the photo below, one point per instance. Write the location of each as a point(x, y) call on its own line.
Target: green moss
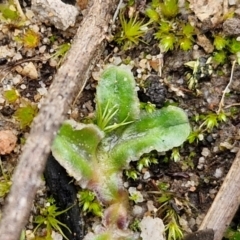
point(5, 182)
point(11, 95)
point(24, 115)
point(47, 218)
point(169, 8)
point(9, 12)
point(132, 31)
point(219, 42)
point(89, 203)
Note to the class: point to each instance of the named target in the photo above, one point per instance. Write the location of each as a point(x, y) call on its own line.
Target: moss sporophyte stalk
point(96, 154)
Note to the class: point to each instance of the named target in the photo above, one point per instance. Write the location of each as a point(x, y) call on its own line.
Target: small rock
point(146, 175)
point(5, 51)
point(56, 236)
point(232, 2)
point(231, 27)
point(151, 207)
point(226, 145)
point(155, 91)
point(30, 71)
point(2, 100)
point(218, 173)
point(137, 211)
point(8, 141)
point(152, 228)
point(55, 12)
point(201, 160)
point(192, 189)
point(42, 49)
point(205, 152)
point(17, 79)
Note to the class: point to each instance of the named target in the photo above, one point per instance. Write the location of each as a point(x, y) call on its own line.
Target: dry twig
point(225, 203)
point(70, 78)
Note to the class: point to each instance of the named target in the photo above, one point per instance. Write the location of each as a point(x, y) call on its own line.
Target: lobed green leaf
point(161, 131)
point(117, 96)
point(75, 146)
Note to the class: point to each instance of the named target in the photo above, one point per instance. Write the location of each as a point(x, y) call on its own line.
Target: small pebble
point(30, 71)
point(146, 175)
point(201, 160)
point(17, 79)
point(205, 152)
point(23, 86)
point(218, 173)
point(152, 228)
point(151, 207)
point(137, 211)
point(8, 141)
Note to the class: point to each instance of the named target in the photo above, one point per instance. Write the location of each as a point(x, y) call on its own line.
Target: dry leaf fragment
point(205, 43)
point(82, 4)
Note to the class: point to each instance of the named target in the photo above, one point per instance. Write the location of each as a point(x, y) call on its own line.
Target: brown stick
point(69, 80)
point(225, 203)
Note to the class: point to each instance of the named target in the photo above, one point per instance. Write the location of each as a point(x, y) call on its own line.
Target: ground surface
point(193, 179)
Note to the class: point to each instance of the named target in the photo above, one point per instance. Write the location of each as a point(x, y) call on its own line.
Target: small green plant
point(9, 12)
point(131, 174)
point(48, 219)
point(11, 95)
point(171, 32)
point(61, 52)
point(29, 39)
point(145, 161)
point(25, 114)
point(132, 31)
point(89, 203)
point(201, 68)
point(210, 121)
point(135, 225)
point(96, 154)
point(224, 47)
point(172, 35)
point(188, 162)
point(175, 156)
point(232, 234)
point(173, 229)
point(135, 195)
point(220, 57)
point(169, 8)
point(220, 42)
point(5, 182)
point(234, 45)
point(12, 11)
point(169, 212)
point(148, 107)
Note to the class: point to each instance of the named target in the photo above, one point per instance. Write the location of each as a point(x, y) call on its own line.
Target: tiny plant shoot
point(96, 154)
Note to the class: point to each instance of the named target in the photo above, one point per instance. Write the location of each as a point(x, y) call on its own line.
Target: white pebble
point(137, 211)
point(205, 152)
point(30, 71)
point(42, 49)
point(218, 173)
point(17, 79)
point(201, 160)
point(152, 228)
point(146, 175)
point(23, 86)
